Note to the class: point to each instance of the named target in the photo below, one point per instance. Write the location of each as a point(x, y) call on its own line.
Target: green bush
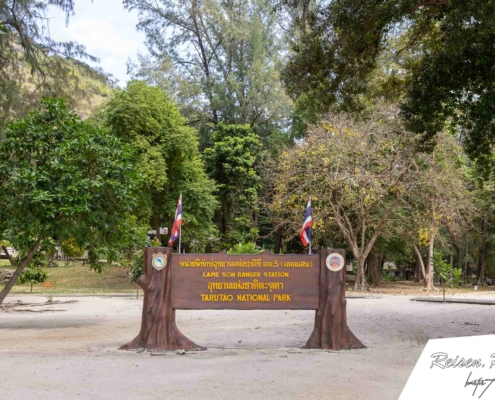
point(456, 277)
point(388, 275)
point(245, 248)
point(155, 242)
point(33, 275)
point(137, 266)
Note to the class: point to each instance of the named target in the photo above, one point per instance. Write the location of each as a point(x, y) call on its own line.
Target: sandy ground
point(252, 354)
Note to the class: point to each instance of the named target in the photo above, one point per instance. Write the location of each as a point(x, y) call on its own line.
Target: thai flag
point(306, 228)
point(177, 222)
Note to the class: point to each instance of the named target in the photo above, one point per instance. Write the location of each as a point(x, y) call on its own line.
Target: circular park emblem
point(159, 261)
point(335, 262)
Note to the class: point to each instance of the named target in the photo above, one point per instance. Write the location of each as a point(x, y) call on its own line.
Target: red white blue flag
point(306, 228)
point(177, 222)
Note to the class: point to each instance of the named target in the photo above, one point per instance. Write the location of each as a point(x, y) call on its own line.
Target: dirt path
point(252, 354)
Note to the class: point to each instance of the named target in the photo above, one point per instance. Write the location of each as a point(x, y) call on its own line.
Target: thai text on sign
point(250, 281)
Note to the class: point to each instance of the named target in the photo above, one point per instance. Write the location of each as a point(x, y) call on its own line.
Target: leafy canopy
point(234, 162)
point(169, 159)
point(438, 54)
point(62, 179)
point(221, 59)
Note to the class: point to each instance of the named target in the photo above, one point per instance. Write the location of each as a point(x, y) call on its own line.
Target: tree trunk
point(360, 283)
point(374, 269)
point(19, 270)
point(158, 328)
point(429, 262)
point(224, 219)
point(278, 240)
point(482, 252)
point(465, 265)
point(417, 271)
point(419, 260)
point(459, 259)
point(431, 246)
point(331, 330)
point(11, 260)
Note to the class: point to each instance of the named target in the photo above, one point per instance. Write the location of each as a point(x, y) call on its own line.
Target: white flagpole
point(309, 250)
point(180, 226)
point(180, 236)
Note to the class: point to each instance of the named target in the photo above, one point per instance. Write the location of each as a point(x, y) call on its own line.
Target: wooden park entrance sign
point(242, 282)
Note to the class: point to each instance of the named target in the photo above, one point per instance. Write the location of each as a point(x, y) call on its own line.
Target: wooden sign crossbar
point(245, 282)
point(242, 282)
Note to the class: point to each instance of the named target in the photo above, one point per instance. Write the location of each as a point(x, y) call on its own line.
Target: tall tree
point(442, 199)
point(483, 176)
point(170, 163)
point(448, 43)
point(357, 174)
point(223, 57)
point(234, 162)
point(62, 178)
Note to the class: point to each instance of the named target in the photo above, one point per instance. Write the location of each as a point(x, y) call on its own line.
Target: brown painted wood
point(315, 287)
point(331, 331)
point(158, 328)
point(190, 283)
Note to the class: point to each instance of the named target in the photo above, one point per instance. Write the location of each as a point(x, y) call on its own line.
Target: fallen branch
point(7, 306)
point(36, 311)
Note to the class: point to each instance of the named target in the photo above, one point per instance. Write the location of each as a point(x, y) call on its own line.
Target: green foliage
point(169, 160)
point(136, 265)
point(49, 247)
point(433, 56)
point(63, 178)
point(33, 275)
point(344, 164)
point(245, 248)
point(456, 277)
point(71, 249)
point(234, 162)
point(40, 258)
point(388, 275)
point(155, 243)
point(442, 269)
point(445, 272)
point(33, 65)
point(233, 73)
point(454, 81)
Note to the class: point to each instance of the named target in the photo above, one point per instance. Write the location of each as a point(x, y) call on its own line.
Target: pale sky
point(106, 29)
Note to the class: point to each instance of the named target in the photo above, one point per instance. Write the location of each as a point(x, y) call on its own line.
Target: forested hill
point(91, 87)
point(22, 86)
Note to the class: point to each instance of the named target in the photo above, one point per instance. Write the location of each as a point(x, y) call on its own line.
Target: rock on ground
point(5, 275)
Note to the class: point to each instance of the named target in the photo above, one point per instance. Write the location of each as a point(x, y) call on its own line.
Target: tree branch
point(4, 248)
point(429, 3)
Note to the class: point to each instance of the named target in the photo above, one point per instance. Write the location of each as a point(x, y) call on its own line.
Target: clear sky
point(106, 29)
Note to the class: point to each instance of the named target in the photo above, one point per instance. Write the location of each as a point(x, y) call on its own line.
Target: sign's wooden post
point(331, 330)
point(158, 328)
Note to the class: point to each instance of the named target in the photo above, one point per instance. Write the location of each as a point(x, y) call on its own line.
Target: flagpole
point(180, 227)
point(309, 251)
point(180, 236)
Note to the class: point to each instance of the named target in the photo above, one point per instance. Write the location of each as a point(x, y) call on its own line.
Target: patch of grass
point(79, 278)
point(4, 263)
